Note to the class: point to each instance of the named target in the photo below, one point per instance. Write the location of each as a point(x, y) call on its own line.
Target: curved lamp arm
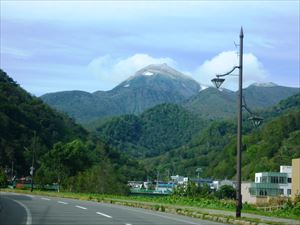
point(256, 120)
point(218, 81)
point(225, 74)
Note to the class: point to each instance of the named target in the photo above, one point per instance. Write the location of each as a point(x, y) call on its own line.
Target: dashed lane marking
point(102, 214)
point(80, 207)
point(65, 203)
point(47, 199)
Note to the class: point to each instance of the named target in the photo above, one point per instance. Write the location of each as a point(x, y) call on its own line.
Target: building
point(273, 183)
point(268, 185)
point(295, 177)
point(179, 179)
point(164, 187)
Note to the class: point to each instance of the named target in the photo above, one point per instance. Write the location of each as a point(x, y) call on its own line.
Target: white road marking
point(29, 217)
point(80, 207)
point(127, 224)
point(102, 214)
point(65, 203)
point(47, 199)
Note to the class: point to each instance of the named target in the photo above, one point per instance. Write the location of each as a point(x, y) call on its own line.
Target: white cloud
point(224, 62)
point(111, 71)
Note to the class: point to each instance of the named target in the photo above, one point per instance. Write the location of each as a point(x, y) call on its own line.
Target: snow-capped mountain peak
point(162, 69)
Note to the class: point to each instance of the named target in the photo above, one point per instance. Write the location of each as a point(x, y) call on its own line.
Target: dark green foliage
point(63, 150)
point(20, 115)
point(101, 179)
point(155, 131)
point(214, 148)
point(3, 178)
point(226, 192)
point(203, 151)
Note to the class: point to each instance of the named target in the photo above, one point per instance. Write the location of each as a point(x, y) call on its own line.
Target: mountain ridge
point(157, 84)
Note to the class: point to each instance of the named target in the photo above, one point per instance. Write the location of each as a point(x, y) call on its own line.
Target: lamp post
point(256, 120)
point(32, 163)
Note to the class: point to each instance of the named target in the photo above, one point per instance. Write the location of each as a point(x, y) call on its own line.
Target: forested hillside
point(213, 103)
point(154, 132)
point(213, 150)
point(63, 151)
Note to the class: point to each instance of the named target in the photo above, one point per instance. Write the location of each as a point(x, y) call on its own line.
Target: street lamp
point(255, 119)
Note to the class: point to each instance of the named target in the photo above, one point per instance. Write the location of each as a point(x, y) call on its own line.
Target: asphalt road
point(22, 209)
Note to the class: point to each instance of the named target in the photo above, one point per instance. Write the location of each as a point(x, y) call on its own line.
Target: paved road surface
point(22, 209)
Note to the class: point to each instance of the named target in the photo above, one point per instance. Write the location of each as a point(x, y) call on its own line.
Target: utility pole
point(32, 163)
point(12, 170)
point(239, 129)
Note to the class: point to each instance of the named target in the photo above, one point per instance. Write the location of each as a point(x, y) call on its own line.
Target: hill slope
point(155, 131)
point(212, 103)
point(64, 152)
point(214, 149)
point(20, 115)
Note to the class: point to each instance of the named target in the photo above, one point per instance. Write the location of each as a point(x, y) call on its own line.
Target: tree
point(226, 191)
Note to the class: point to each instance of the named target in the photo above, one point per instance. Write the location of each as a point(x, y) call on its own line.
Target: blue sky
point(49, 46)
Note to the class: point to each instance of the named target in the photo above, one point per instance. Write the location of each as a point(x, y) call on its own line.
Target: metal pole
point(239, 130)
point(32, 163)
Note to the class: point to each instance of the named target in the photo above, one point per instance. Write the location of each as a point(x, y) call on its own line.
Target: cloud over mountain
point(112, 71)
point(224, 62)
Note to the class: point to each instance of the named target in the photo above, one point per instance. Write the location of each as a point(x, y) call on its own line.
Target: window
point(263, 192)
point(281, 191)
point(289, 180)
point(281, 180)
point(274, 180)
point(289, 191)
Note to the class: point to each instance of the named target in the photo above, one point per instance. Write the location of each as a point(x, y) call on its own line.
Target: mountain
point(155, 131)
point(267, 94)
point(213, 149)
point(213, 103)
point(152, 85)
point(64, 151)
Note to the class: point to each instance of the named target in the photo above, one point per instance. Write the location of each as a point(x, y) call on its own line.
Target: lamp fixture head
point(217, 82)
point(256, 120)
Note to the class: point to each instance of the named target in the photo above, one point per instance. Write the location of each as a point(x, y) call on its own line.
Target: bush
point(296, 209)
point(225, 192)
point(3, 178)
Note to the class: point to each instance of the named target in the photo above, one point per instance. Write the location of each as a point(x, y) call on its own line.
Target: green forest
point(213, 150)
point(63, 152)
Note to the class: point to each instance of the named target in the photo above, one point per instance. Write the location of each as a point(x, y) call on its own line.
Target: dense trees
point(64, 152)
point(275, 143)
point(154, 132)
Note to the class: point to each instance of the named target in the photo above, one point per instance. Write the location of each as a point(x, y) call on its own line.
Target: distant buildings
point(179, 179)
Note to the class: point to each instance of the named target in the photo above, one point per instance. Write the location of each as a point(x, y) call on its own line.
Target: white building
point(268, 185)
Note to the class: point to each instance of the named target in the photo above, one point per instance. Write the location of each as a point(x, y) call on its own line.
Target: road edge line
point(29, 217)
